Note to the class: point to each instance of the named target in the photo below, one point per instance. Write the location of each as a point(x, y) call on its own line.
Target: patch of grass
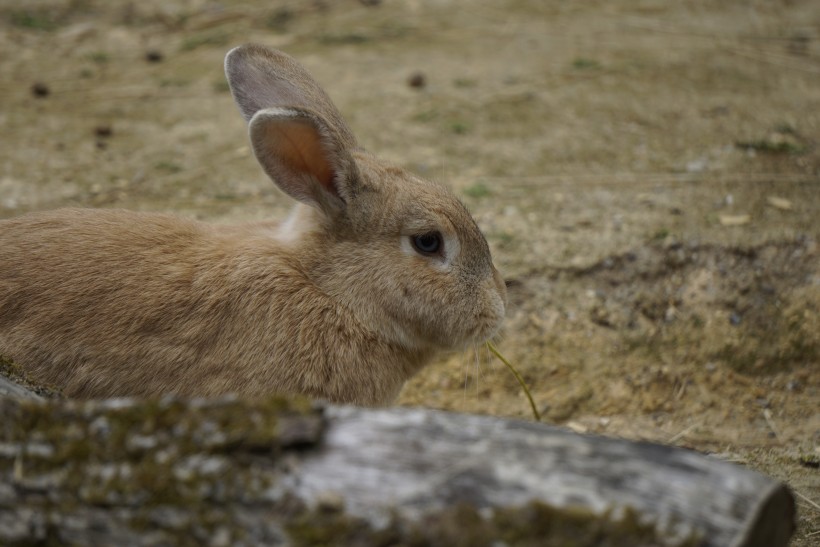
point(772, 146)
point(168, 166)
point(389, 30)
point(348, 38)
point(279, 20)
point(426, 115)
point(459, 127)
point(784, 139)
point(583, 63)
point(504, 238)
point(33, 20)
point(465, 82)
point(478, 190)
point(210, 39)
point(99, 57)
point(785, 128)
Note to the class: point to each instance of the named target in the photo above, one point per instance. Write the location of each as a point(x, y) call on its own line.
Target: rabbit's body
point(159, 303)
point(345, 300)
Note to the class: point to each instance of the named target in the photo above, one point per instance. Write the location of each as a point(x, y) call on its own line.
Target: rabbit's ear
point(261, 78)
point(298, 136)
point(303, 157)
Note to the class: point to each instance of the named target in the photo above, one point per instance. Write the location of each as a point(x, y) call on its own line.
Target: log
point(292, 472)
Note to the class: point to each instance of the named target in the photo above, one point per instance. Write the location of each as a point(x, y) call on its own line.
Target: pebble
point(40, 90)
point(779, 203)
point(154, 56)
point(734, 220)
point(417, 80)
point(103, 131)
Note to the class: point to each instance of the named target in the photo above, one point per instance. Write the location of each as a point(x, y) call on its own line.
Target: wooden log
point(283, 471)
point(421, 460)
point(13, 389)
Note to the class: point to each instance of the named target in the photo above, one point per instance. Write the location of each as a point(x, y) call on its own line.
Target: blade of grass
point(518, 377)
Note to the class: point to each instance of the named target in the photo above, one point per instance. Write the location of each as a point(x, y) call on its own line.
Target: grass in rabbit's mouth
point(518, 377)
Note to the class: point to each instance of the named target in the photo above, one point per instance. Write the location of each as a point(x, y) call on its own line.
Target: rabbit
point(374, 271)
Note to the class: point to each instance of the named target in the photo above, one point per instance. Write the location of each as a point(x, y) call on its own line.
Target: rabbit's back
point(106, 303)
point(83, 288)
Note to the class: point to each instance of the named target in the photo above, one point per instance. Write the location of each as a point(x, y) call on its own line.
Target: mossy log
point(290, 472)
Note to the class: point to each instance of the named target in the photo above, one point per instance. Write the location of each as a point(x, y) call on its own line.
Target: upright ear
point(302, 156)
point(297, 133)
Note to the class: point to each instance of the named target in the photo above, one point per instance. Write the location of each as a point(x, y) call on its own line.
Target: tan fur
point(334, 303)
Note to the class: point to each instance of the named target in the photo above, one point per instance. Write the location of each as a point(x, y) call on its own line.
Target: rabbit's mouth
point(484, 326)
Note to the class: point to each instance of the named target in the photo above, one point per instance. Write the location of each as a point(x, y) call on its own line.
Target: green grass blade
point(518, 377)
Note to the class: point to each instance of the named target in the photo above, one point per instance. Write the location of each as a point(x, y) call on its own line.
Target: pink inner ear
point(299, 146)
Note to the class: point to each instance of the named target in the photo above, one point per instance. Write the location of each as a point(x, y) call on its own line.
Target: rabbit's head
point(401, 253)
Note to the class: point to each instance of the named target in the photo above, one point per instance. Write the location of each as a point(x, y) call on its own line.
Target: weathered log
point(286, 471)
point(13, 389)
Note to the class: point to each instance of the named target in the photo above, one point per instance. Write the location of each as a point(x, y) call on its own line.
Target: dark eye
point(427, 244)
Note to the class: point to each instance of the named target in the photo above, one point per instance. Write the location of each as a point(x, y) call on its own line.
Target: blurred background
point(647, 174)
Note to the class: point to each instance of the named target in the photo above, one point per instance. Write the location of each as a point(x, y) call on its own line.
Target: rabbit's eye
point(427, 244)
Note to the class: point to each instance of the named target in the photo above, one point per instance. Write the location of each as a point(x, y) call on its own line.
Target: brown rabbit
point(374, 271)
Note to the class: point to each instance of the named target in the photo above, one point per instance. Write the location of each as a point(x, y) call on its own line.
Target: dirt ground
point(647, 174)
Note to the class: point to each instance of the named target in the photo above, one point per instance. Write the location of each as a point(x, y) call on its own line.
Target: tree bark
point(287, 471)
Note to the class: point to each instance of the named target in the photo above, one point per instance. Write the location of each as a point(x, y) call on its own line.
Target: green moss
point(15, 373)
point(534, 524)
point(184, 470)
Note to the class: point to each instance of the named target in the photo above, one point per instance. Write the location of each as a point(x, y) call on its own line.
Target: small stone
point(696, 166)
point(154, 56)
point(735, 319)
point(779, 203)
point(417, 80)
point(734, 220)
point(103, 131)
point(40, 90)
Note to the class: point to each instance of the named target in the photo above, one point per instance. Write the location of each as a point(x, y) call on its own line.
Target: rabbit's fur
point(336, 302)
